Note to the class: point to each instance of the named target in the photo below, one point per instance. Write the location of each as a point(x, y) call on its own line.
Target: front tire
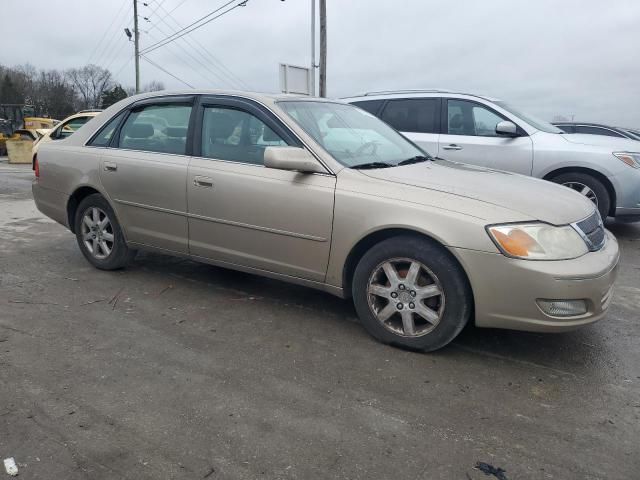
point(99, 234)
point(411, 292)
point(590, 187)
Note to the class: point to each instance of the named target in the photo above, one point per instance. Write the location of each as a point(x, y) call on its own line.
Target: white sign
point(294, 79)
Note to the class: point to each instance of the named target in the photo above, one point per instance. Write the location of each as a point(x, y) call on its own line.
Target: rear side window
point(371, 106)
point(597, 131)
point(567, 128)
point(106, 134)
point(157, 128)
point(419, 115)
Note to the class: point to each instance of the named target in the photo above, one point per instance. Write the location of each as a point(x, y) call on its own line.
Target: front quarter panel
point(365, 205)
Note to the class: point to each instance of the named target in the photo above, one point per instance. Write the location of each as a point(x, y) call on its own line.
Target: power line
point(185, 31)
point(107, 51)
point(230, 76)
point(190, 47)
point(168, 13)
point(165, 71)
point(107, 31)
point(184, 61)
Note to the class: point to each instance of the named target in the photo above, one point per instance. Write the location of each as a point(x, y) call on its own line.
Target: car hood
point(532, 198)
point(616, 144)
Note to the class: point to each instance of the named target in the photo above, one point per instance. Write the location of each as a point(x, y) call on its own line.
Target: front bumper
point(505, 289)
point(627, 187)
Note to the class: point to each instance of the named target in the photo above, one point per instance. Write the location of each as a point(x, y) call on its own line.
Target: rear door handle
point(199, 181)
point(453, 146)
point(110, 166)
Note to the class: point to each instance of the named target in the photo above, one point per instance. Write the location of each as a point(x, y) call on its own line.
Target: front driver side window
point(236, 136)
point(470, 118)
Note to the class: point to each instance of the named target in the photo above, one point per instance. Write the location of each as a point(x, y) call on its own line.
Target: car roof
point(416, 93)
point(258, 96)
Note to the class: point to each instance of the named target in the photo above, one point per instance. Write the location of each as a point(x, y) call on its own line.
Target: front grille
point(592, 230)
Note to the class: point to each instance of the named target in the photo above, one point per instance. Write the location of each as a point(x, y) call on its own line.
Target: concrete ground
point(172, 369)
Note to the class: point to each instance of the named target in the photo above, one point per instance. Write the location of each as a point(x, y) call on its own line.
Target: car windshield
point(352, 136)
point(633, 133)
point(530, 119)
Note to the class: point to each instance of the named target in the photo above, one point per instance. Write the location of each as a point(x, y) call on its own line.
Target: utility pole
point(323, 48)
point(312, 72)
point(136, 37)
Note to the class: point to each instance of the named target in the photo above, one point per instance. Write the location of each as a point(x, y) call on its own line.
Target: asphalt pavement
point(173, 369)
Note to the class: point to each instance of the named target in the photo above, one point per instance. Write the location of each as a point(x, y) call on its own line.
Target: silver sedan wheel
point(583, 189)
point(406, 297)
point(97, 233)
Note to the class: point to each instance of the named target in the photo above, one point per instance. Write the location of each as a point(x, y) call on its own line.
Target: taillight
point(36, 167)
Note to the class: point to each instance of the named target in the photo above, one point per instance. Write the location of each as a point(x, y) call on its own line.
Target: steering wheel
point(371, 145)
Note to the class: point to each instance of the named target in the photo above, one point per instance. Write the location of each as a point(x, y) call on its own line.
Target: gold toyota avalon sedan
point(323, 194)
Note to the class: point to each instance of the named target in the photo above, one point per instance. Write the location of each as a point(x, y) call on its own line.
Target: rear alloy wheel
point(590, 187)
point(99, 235)
point(411, 292)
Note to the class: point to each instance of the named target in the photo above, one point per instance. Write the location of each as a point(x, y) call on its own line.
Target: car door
point(144, 172)
point(243, 213)
point(416, 118)
point(469, 136)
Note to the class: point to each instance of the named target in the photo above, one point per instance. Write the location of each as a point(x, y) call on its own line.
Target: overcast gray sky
point(569, 57)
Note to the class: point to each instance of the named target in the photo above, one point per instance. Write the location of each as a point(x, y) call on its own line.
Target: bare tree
point(90, 83)
point(153, 86)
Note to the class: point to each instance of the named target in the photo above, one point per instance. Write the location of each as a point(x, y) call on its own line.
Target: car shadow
point(583, 351)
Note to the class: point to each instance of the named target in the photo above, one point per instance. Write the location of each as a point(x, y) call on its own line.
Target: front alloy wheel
point(583, 190)
point(406, 297)
point(399, 289)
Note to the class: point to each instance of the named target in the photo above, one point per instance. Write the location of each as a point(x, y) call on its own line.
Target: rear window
point(418, 115)
point(371, 106)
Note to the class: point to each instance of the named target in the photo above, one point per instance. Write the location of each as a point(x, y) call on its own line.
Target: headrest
point(221, 125)
point(175, 132)
point(140, 130)
point(456, 121)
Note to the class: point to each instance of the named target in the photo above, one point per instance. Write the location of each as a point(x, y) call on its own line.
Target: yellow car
point(64, 129)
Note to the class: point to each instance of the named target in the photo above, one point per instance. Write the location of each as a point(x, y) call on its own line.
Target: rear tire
point(99, 234)
point(589, 186)
point(411, 292)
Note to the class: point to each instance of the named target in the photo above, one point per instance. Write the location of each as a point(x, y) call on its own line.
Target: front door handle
point(110, 166)
point(453, 146)
point(199, 181)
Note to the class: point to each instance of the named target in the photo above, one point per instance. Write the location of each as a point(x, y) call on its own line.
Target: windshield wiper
point(365, 166)
point(416, 159)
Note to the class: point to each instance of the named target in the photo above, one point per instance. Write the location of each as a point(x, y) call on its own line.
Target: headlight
point(630, 158)
point(538, 241)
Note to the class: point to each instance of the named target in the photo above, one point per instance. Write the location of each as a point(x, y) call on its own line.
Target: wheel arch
point(594, 173)
point(372, 238)
point(76, 197)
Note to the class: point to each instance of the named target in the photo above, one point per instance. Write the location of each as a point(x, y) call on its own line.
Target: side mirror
point(292, 158)
point(507, 129)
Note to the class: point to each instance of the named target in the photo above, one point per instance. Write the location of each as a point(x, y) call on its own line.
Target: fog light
point(563, 308)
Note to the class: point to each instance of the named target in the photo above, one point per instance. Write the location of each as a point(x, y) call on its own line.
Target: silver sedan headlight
point(630, 158)
point(538, 241)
